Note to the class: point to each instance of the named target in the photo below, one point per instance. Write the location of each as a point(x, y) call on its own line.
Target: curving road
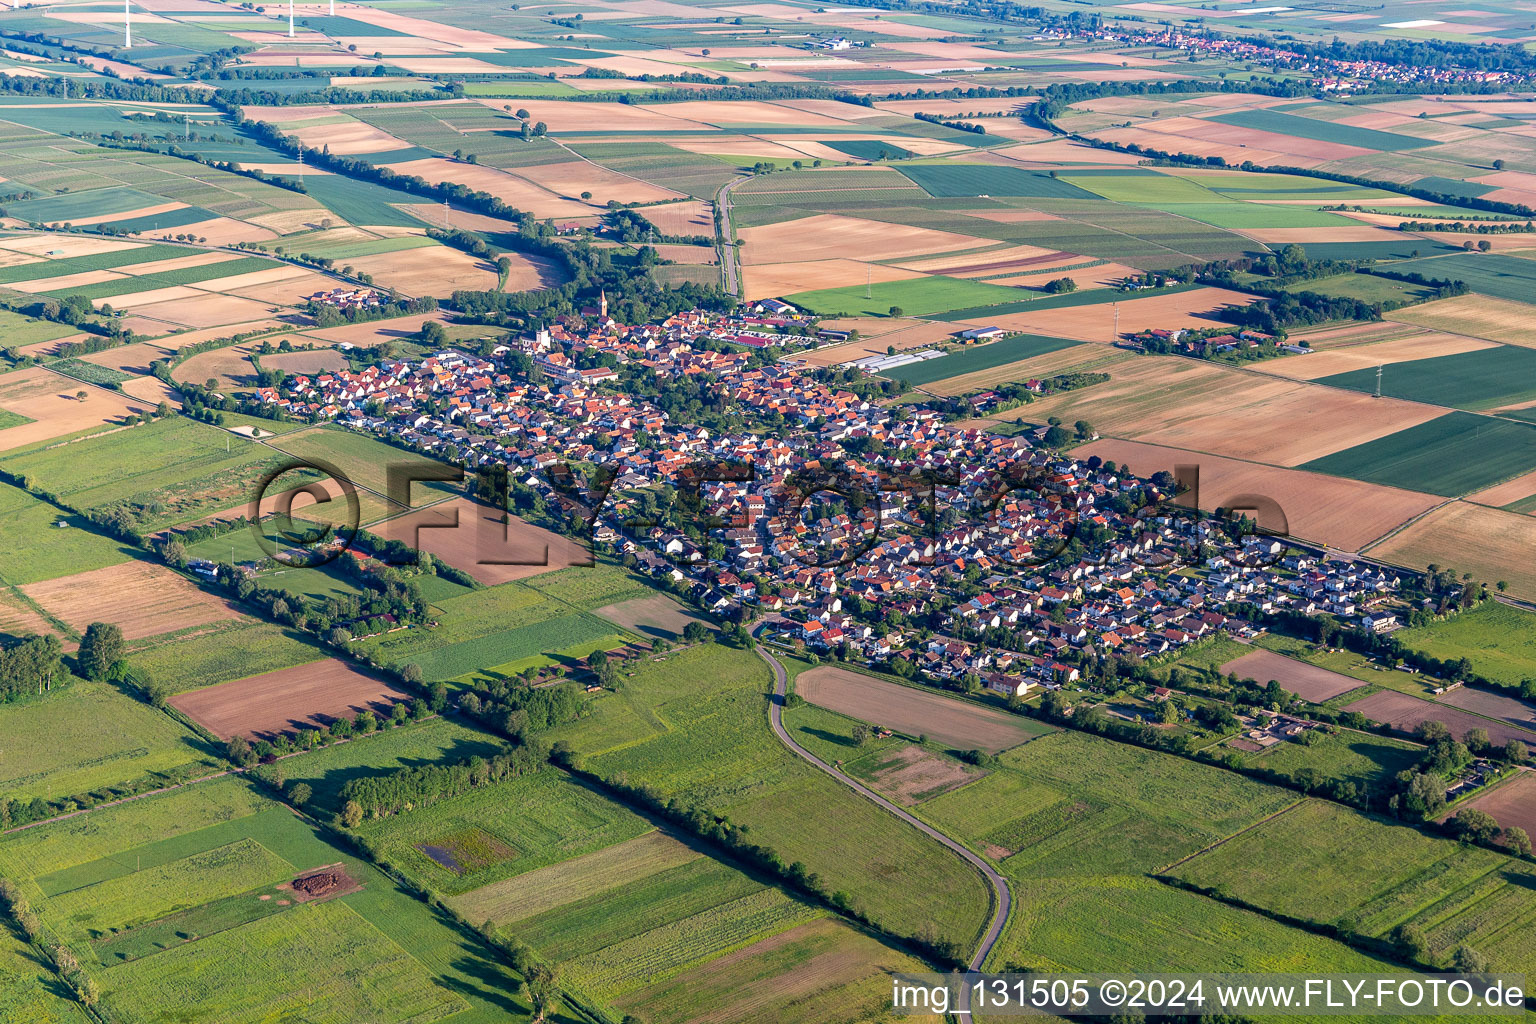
point(1002, 898)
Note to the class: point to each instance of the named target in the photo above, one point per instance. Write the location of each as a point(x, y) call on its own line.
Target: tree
point(1515, 752)
point(695, 632)
point(1061, 286)
point(897, 311)
point(543, 990)
point(1467, 960)
point(80, 395)
point(1409, 941)
point(351, 814)
point(1431, 731)
point(861, 735)
point(299, 794)
point(411, 673)
point(1474, 826)
point(239, 752)
point(101, 648)
point(1498, 165)
point(1518, 841)
point(1477, 741)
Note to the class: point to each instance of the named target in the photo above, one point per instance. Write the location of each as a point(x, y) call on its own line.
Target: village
point(1015, 564)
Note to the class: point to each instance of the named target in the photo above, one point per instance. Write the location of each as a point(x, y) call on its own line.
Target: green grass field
point(87, 737)
point(1348, 756)
point(439, 740)
point(1141, 924)
point(375, 954)
point(1490, 273)
point(1484, 379)
point(983, 357)
point(1454, 454)
point(694, 725)
point(1498, 640)
point(1365, 287)
point(543, 819)
point(918, 296)
point(246, 649)
point(1124, 810)
point(51, 550)
point(168, 471)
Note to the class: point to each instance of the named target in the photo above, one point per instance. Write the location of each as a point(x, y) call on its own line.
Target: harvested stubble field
point(142, 598)
point(1487, 542)
point(1406, 713)
point(831, 236)
point(1343, 513)
point(657, 616)
point(1492, 705)
point(304, 696)
point(1096, 321)
point(1361, 357)
point(1306, 681)
point(1204, 406)
point(913, 711)
point(48, 401)
point(1481, 316)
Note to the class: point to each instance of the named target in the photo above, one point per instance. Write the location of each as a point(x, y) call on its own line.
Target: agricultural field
point(984, 357)
point(189, 189)
point(306, 696)
point(1450, 455)
point(226, 866)
point(170, 471)
point(693, 725)
point(1496, 638)
point(89, 740)
point(1485, 379)
point(911, 710)
point(1366, 876)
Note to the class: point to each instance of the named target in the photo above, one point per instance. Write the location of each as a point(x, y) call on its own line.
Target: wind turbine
point(290, 19)
point(127, 28)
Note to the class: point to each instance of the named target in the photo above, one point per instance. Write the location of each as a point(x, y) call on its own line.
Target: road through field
point(723, 229)
point(1002, 897)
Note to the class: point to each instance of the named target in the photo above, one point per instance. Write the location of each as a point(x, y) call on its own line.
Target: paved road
point(1002, 899)
point(727, 242)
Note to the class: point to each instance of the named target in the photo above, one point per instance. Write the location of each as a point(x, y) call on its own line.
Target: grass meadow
point(1497, 639)
point(694, 726)
point(87, 737)
point(219, 847)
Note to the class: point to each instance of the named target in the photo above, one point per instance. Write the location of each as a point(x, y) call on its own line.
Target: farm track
point(1002, 896)
point(1288, 808)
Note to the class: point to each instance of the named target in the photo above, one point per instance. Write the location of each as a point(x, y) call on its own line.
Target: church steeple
point(602, 304)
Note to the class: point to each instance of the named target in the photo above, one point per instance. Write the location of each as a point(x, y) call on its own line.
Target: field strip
point(1227, 839)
